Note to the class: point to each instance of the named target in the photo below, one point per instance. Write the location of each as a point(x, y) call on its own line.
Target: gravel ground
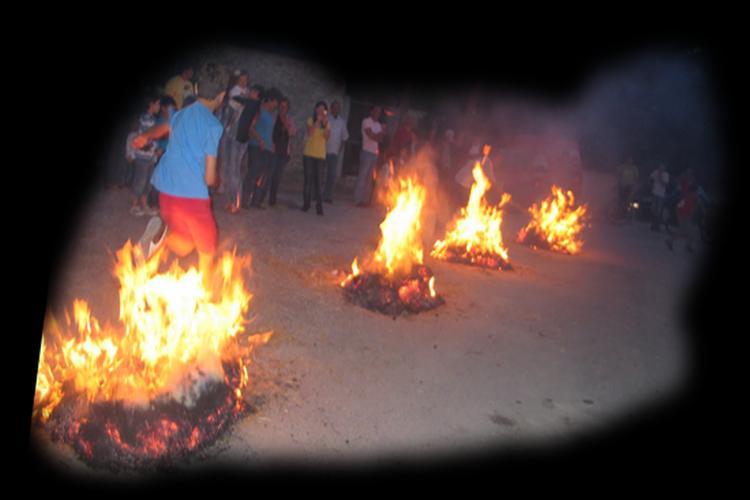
point(558, 347)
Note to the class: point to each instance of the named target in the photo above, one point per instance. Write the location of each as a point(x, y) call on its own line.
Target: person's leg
point(307, 183)
point(248, 186)
point(331, 162)
point(656, 213)
point(278, 171)
point(261, 185)
point(138, 188)
point(317, 168)
point(233, 185)
point(364, 177)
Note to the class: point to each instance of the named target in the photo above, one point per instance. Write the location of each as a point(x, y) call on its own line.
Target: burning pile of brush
point(556, 224)
point(168, 379)
point(476, 237)
point(394, 279)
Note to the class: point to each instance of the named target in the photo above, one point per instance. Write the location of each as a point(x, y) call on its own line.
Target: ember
point(413, 293)
point(394, 279)
point(165, 382)
point(476, 237)
point(555, 224)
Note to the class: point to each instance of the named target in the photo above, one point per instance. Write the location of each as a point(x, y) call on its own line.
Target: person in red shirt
point(686, 208)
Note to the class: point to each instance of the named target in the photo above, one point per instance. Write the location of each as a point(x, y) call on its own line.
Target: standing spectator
point(260, 149)
point(627, 182)
point(372, 134)
point(334, 148)
point(250, 109)
point(282, 131)
point(659, 182)
point(180, 86)
point(144, 160)
point(185, 173)
point(314, 155)
point(465, 177)
point(686, 209)
point(235, 150)
point(446, 152)
point(404, 141)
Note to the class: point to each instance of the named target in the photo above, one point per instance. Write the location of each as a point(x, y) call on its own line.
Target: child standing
point(144, 160)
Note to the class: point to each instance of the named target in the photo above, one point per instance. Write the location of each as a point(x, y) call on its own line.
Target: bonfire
point(164, 381)
point(475, 236)
point(394, 279)
point(556, 224)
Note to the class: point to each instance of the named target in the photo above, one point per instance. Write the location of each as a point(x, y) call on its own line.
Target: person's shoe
point(670, 244)
point(137, 211)
point(319, 209)
point(153, 237)
point(151, 211)
point(305, 207)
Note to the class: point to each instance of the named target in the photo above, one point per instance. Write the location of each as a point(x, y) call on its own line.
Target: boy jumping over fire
point(185, 172)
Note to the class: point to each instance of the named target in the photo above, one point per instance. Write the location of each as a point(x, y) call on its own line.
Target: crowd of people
point(227, 137)
point(682, 202)
point(220, 136)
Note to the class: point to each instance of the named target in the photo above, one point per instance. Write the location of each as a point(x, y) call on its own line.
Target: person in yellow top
point(180, 86)
point(314, 156)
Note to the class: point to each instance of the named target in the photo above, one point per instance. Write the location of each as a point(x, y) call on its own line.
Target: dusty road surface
point(560, 346)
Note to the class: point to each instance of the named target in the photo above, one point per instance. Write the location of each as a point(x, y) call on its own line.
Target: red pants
point(191, 219)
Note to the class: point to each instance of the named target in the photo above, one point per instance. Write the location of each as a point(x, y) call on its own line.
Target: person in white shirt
point(373, 133)
point(334, 148)
point(659, 181)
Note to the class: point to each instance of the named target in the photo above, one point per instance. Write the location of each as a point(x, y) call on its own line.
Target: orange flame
point(557, 222)
point(476, 231)
point(400, 246)
point(170, 324)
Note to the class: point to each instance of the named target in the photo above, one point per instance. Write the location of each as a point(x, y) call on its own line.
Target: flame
point(476, 231)
point(556, 222)
point(400, 247)
point(171, 324)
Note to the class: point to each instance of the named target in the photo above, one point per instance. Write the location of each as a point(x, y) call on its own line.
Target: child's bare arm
point(155, 132)
point(210, 176)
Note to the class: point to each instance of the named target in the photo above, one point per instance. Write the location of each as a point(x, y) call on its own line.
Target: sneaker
point(137, 211)
point(151, 211)
point(154, 229)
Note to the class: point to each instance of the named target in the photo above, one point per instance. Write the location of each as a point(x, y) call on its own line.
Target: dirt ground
point(560, 346)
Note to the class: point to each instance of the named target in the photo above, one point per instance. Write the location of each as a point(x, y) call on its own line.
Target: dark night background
point(89, 74)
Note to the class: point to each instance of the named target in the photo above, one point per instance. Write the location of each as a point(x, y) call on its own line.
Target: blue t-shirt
point(162, 143)
point(264, 127)
point(194, 133)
